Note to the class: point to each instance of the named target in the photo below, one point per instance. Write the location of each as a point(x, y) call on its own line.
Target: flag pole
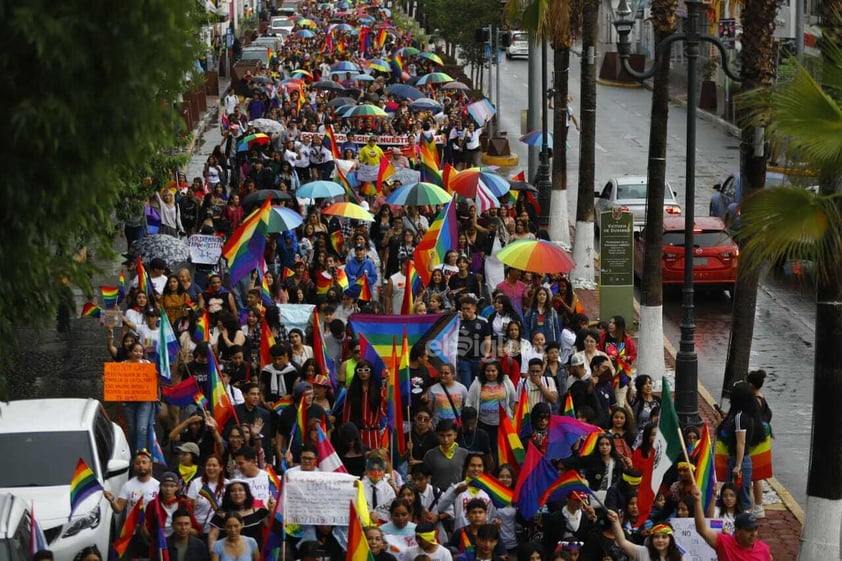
point(684, 450)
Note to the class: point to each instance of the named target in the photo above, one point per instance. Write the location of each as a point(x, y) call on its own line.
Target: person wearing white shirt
point(379, 493)
point(472, 146)
point(539, 388)
point(425, 536)
point(230, 102)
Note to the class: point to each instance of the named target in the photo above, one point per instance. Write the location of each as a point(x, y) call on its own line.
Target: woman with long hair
point(437, 286)
point(564, 299)
point(503, 314)
point(400, 527)
point(364, 404)
point(238, 499)
point(174, 300)
point(349, 446)
point(489, 391)
point(728, 504)
point(622, 430)
point(229, 335)
point(588, 342)
point(206, 492)
point(139, 414)
point(460, 493)
point(409, 492)
point(645, 403)
point(741, 429)
point(508, 514)
point(619, 346)
point(236, 545)
point(464, 281)
point(603, 467)
point(659, 546)
point(542, 316)
point(513, 349)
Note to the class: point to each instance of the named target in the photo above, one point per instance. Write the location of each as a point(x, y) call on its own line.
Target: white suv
point(44, 439)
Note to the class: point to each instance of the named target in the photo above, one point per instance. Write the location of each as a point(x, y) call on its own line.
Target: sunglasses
point(364, 369)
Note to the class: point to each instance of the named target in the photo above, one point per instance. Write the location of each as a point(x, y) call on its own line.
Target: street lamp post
point(686, 360)
point(543, 182)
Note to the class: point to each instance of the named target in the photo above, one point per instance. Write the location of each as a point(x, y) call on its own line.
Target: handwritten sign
point(205, 250)
point(694, 545)
point(130, 381)
point(382, 140)
point(315, 497)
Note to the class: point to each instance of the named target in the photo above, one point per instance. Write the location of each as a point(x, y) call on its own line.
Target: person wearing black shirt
point(253, 414)
point(421, 437)
point(472, 438)
point(474, 340)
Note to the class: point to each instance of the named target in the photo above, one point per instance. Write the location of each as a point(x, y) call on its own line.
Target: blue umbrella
point(319, 190)
point(345, 66)
point(304, 34)
point(364, 78)
point(425, 104)
point(536, 138)
point(283, 219)
point(404, 91)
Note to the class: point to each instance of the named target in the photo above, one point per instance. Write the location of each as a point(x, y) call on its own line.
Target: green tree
point(89, 88)
point(793, 223)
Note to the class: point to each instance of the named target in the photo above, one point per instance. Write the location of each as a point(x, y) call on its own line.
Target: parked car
point(519, 45)
point(629, 193)
point(15, 528)
point(281, 25)
point(45, 439)
point(715, 253)
point(725, 203)
point(256, 53)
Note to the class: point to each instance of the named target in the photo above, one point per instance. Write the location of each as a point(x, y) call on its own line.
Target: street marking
point(600, 148)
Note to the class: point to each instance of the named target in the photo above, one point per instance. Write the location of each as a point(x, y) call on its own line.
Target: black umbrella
point(255, 199)
point(327, 85)
point(339, 101)
point(171, 249)
point(522, 186)
point(404, 91)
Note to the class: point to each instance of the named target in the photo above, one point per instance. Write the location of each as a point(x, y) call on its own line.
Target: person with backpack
point(741, 429)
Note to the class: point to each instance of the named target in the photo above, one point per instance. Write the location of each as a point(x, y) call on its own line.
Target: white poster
point(686, 536)
point(205, 250)
point(315, 497)
point(296, 315)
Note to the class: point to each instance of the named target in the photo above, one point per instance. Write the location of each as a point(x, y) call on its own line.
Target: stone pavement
point(781, 528)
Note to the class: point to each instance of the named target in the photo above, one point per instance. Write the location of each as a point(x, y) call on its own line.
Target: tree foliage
point(458, 22)
point(89, 88)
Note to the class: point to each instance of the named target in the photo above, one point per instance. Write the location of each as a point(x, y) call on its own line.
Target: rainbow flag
point(143, 283)
point(91, 310)
point(265, 290)
point(761, 457)
point(323, 282)
point(447, 173)
point(393, 391)
point(110, 296)
point(337, 240)
point(358, 549)
point(385, 171)
point(588, 444)
point(442, 236)
point(705, 473)
point(181, 394)
point(365, 289)
point(330, 137)
point(320, 354)
point(267, 339)
point(380, 40)
point(500, 495)
point(274, 480)
point(466, 545)
point(569, 410)
point(133, 521)
point(209, 496)
point(221, 407)
point(564, 433)
point(520, 419)
point(301, 420)
point(244, 249)
point(509, 447)
point(201, 332)
point(121, 285)
point(566, 483)
point(200, 400)
point(363, 38)
point(397, 67)
point(341, 278)
point(408, 297)
point(429, 164)
point(345, 180)
point(282, 404)
point(287, 273)
point(83, 484)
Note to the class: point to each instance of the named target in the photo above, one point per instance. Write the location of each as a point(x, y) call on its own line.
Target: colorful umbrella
point(378, 64)
point(304, 22)
point(304, 34)
point(536, 256)
point(283, 219)
point(364, 78)
point(320, 190)
point(468, 181)
point(433, 57)
point(302, 72)
point(434, 78)
point(419, 194)
point(408, 51)
point(248, 142)
point(455, 86)
point(342, 27)
point(536, 138)
point(349, 210)
point(344, 66)
point(365, 110)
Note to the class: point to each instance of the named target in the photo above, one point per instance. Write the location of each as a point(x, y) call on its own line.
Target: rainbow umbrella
point(419, 194)
point(378, 64)
point(344, 66)
point(408, 51)
point(349, 210)
point(340, 27)
point(304, 22)
point(365, 110)
point(305, 34)
point(536, 138)
point(283, 219)
point(319, 190)
point(302, 72)
point(433, 57)
point(468, 181)
point(434, 78)
point(536, 256)
point(248, 142)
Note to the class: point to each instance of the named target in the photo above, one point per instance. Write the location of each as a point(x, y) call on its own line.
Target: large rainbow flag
point(244, 249)
point(437, 241)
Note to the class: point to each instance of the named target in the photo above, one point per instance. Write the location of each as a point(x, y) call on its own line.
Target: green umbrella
point(365, 110)
point(434, 78)
point(432, 57)
point(419, 194)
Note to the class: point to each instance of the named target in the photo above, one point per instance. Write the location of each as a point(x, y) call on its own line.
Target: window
point(43, 459)
point(104, 438)
point(706, 238)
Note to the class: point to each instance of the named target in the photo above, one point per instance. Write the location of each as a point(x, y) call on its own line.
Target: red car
point(715, 255)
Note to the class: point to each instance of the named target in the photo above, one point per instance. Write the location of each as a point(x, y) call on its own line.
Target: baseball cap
point(190, 447)
point(577, 360)
point(168, 476)
point(745, 521)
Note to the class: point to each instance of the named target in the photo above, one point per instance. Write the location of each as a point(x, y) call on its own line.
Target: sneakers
point(758, 512)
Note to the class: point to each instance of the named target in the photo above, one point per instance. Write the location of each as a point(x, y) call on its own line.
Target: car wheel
point(508, 56)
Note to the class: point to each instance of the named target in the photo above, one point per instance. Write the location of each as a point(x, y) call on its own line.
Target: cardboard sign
point(316, 497)
point(694, 545)
point(205, 250)
point(130, 381)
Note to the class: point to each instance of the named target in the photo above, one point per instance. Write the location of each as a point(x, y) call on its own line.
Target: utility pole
point(535, 95)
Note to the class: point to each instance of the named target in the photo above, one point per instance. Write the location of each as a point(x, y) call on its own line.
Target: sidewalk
point(781, 528)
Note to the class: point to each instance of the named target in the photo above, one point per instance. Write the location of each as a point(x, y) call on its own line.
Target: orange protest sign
point(130, 381)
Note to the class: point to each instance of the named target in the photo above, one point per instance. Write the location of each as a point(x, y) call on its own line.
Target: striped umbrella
point(349, 210)
point(419, 194)
point(536, 138)
point(434, 78)
point(433, 57)
point(468, 181)
point(365, 110)
point(536, 256)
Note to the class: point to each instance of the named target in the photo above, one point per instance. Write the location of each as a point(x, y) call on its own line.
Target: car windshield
point(518, 37)
point(43, 459)
point(631, 191)
point(706, 238)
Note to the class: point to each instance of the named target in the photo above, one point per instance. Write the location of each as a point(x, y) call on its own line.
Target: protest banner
point(130, 381)
point(694, 545)
point(315, 497)
point(205, 250)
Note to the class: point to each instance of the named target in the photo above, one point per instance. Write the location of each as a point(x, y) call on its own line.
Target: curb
point(618, 84)
point(503, 161)
point(787, 499)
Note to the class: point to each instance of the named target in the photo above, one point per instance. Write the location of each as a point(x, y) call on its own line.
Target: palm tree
point(550, 20)
point(651, 336)
point(583, 245)
point(758, 71)
point(789, 223)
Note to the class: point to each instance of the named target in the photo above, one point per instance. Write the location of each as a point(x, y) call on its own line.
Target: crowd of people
point(523, 336)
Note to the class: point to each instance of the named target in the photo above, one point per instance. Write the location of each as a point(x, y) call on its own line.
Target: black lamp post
point(543, 182)
point(686, 361)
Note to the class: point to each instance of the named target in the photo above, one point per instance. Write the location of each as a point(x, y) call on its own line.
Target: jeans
point(138, 415)
point(744, 489)
point(466, 370)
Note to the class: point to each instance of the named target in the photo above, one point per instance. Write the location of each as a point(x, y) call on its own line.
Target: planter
point(707, 96)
